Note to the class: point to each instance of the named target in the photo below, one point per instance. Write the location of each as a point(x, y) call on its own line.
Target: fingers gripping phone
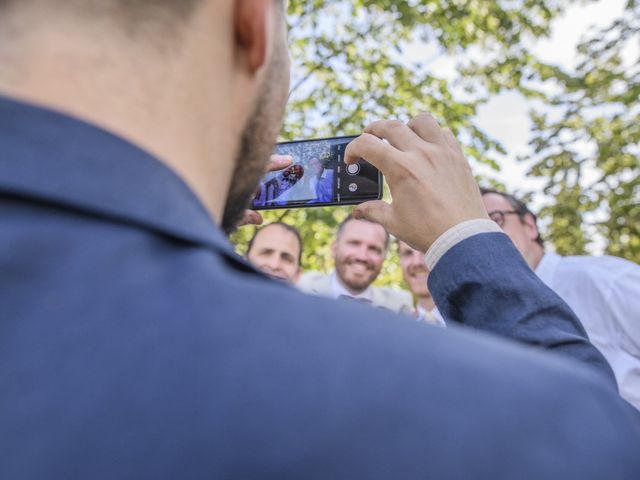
point(318, 177)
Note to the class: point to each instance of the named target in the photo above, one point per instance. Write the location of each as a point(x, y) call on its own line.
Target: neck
point(427, 303)
point(349, 289)
point(143, 96)
point(535, 256)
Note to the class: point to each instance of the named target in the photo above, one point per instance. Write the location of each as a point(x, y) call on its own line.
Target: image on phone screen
point(318, 176)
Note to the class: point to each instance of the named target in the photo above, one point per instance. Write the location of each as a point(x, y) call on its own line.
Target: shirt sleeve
point(455, 235)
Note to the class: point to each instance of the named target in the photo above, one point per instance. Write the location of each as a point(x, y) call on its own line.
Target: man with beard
point(358, 253)
point(135, 342)
point(415, 274)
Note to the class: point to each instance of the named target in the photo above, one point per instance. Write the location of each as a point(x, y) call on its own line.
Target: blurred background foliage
point(585, 141)
point(349, 68)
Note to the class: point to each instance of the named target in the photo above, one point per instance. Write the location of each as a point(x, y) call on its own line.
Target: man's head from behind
point(359, 252)
point(517, 221)
point(260, 133)
point(276, 249)
point(198, 83)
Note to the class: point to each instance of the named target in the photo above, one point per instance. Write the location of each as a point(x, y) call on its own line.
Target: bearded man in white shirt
point(359, 251)
point(604, 291)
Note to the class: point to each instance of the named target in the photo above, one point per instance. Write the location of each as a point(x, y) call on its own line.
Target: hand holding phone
point(318, 176)
point(431, 183)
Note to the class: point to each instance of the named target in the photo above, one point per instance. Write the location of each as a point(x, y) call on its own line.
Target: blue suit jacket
point(134, 343)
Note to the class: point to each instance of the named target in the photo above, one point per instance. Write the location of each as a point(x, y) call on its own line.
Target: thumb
point(251, 218)
point(278, 162)
point(375, 211)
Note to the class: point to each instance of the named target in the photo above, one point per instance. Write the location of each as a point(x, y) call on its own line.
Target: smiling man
point(358, 252)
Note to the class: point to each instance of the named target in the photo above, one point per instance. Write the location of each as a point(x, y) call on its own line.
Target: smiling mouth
point(359, 267)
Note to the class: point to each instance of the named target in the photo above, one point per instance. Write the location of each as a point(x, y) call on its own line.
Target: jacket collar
point(51, 157)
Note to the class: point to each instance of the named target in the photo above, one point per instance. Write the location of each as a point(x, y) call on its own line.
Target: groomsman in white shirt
point(604, 291)
point(358, 252)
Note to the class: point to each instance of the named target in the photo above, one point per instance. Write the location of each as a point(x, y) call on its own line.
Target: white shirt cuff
point(455, 235)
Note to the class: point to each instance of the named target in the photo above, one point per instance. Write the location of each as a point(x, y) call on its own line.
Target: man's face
point(359, 253)
point(259, 136)
point(523, 234)
point(414, 270)
point(276, 251)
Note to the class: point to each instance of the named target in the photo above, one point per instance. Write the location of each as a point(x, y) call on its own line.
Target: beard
point(357, 284)
point(258, 141)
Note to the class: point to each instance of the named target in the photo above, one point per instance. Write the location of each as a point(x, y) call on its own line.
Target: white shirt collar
point(338, 290)
point(432, 316)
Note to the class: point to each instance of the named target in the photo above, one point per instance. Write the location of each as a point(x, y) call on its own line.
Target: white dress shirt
point(604, 292)
point(433, 316)
point(340, 292)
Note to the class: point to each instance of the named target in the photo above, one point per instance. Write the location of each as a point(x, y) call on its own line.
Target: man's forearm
point(483, 282)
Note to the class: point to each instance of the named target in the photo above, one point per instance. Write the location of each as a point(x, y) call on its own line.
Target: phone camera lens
point(353, 188)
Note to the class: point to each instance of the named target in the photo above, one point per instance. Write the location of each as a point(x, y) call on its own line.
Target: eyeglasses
point(498, 216)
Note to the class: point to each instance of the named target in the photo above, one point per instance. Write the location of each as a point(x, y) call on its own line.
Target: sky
point(505, 117)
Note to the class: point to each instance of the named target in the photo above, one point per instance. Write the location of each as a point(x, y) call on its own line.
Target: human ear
point(251, 28)
point(531, 227)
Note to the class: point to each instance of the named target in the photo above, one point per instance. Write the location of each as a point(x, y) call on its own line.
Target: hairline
point(285, 226)
point(350, 217)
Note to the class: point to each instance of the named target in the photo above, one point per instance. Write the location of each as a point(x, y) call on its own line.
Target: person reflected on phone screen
point(321, 181)
point(274, 191)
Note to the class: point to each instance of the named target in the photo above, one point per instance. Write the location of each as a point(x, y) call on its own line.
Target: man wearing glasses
point(604, 291)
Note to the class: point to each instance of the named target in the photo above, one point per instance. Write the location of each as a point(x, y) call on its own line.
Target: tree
point(599, 130)
point(586, 137)
point(350, 67)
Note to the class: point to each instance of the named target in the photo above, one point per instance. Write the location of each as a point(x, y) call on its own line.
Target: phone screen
point(318, 176)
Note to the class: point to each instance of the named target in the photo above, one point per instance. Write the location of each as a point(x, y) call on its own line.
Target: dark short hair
point(351, 217)
point(519, 207)
point(161, 15)
point(287, 227)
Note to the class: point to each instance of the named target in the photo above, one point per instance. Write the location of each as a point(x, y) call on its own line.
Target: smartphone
point(318, 177)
